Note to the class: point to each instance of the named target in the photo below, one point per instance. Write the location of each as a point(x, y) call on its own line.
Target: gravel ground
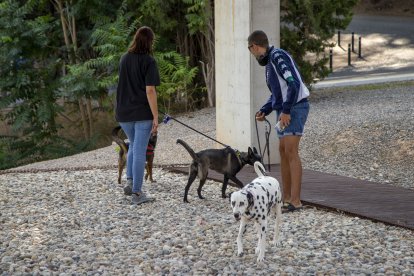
point(366, 134)
point(79, 222)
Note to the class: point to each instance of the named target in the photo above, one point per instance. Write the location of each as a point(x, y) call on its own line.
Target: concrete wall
point(240, 82)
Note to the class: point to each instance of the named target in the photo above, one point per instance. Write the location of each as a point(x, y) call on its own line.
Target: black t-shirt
point(136, 71)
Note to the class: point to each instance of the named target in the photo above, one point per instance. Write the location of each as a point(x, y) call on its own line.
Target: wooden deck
point(374, 201)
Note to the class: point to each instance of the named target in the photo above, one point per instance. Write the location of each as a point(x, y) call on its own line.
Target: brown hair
point(259, 38)
point(142, 42)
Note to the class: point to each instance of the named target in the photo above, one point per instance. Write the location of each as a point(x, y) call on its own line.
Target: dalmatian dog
point(255, 202)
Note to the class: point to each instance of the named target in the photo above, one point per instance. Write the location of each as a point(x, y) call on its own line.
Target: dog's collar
point(238, 155)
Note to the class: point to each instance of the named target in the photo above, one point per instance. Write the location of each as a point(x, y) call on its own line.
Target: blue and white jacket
point(284, 82)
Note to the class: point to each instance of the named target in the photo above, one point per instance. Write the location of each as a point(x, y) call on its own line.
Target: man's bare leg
point(285, 171)
point(291, 146)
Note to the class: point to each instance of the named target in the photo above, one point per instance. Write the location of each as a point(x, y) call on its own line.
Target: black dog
point(123, 150)
point(226, 161)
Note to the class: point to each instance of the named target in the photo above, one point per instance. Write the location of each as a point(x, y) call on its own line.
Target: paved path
point(365, 199)
point(387, 51)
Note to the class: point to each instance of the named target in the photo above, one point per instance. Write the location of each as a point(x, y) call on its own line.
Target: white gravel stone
point(79, 222)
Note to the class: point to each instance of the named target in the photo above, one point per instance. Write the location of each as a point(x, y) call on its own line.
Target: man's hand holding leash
point(260, 116)
point(284, 118)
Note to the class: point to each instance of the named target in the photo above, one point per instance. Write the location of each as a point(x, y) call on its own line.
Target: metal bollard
point(339, 38)
point(349, 54)
point(359, 48)
point(330, 60)
point(353, 49)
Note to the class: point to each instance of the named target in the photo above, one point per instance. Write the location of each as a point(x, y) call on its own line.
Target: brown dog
point(123, 150)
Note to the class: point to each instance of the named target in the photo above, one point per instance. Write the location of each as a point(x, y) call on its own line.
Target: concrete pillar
point(240, 81)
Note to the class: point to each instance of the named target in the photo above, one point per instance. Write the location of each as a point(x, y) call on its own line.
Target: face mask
point(263, 59)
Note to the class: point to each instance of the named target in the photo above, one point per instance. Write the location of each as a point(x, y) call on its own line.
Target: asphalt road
point(395, 27)
point(398, 34)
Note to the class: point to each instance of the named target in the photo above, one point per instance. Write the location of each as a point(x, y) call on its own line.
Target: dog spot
point(258, 197)
point(263, 229)
point(247, 213)
point(263, 188)
point(263, 217)
point(270, 184)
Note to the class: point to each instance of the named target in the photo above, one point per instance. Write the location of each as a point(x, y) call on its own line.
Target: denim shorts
point(298, 116)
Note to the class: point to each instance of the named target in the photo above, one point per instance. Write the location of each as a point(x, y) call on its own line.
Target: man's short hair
point(259, 38)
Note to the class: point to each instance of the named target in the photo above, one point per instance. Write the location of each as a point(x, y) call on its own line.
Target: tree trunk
point(68, 22)
point(208, 68)
point(89, 110)
point(84, 119)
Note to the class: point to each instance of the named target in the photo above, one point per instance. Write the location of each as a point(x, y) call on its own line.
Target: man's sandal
point(291, 208)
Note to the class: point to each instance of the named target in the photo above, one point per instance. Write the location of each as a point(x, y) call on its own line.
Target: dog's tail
point(118, 140)
point(190, 150)
point(259, 169)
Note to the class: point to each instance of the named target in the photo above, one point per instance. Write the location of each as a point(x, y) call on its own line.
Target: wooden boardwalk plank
point(375, 201)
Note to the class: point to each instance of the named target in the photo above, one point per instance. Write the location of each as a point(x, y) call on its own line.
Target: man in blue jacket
point(289, 98)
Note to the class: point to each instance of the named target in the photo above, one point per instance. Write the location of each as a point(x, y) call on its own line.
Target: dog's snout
point(236, 216)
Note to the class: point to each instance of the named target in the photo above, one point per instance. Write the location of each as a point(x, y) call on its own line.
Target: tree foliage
point(60, 60)
point(27, 78)
point(307, 26)
point(176, 81)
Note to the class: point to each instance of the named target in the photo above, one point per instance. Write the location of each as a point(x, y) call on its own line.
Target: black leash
point(168, 117)
point(267, 135)
point(268, 129)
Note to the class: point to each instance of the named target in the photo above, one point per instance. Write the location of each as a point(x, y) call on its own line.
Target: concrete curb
point(364, 79)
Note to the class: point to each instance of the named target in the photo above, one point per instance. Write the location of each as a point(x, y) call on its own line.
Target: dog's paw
point(276, 242)
point(260, 258)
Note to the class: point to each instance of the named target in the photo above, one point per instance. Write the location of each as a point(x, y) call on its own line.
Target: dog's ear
point(229, 195)
point(250, 151)
point(255, 150)
point(250, 199)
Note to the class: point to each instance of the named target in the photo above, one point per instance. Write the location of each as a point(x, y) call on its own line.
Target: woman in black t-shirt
point(136, 109)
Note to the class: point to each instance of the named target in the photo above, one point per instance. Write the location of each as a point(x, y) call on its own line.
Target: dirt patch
point(344, 142)
point(404, 149)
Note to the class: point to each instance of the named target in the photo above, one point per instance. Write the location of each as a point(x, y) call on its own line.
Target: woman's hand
point(154, 125)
